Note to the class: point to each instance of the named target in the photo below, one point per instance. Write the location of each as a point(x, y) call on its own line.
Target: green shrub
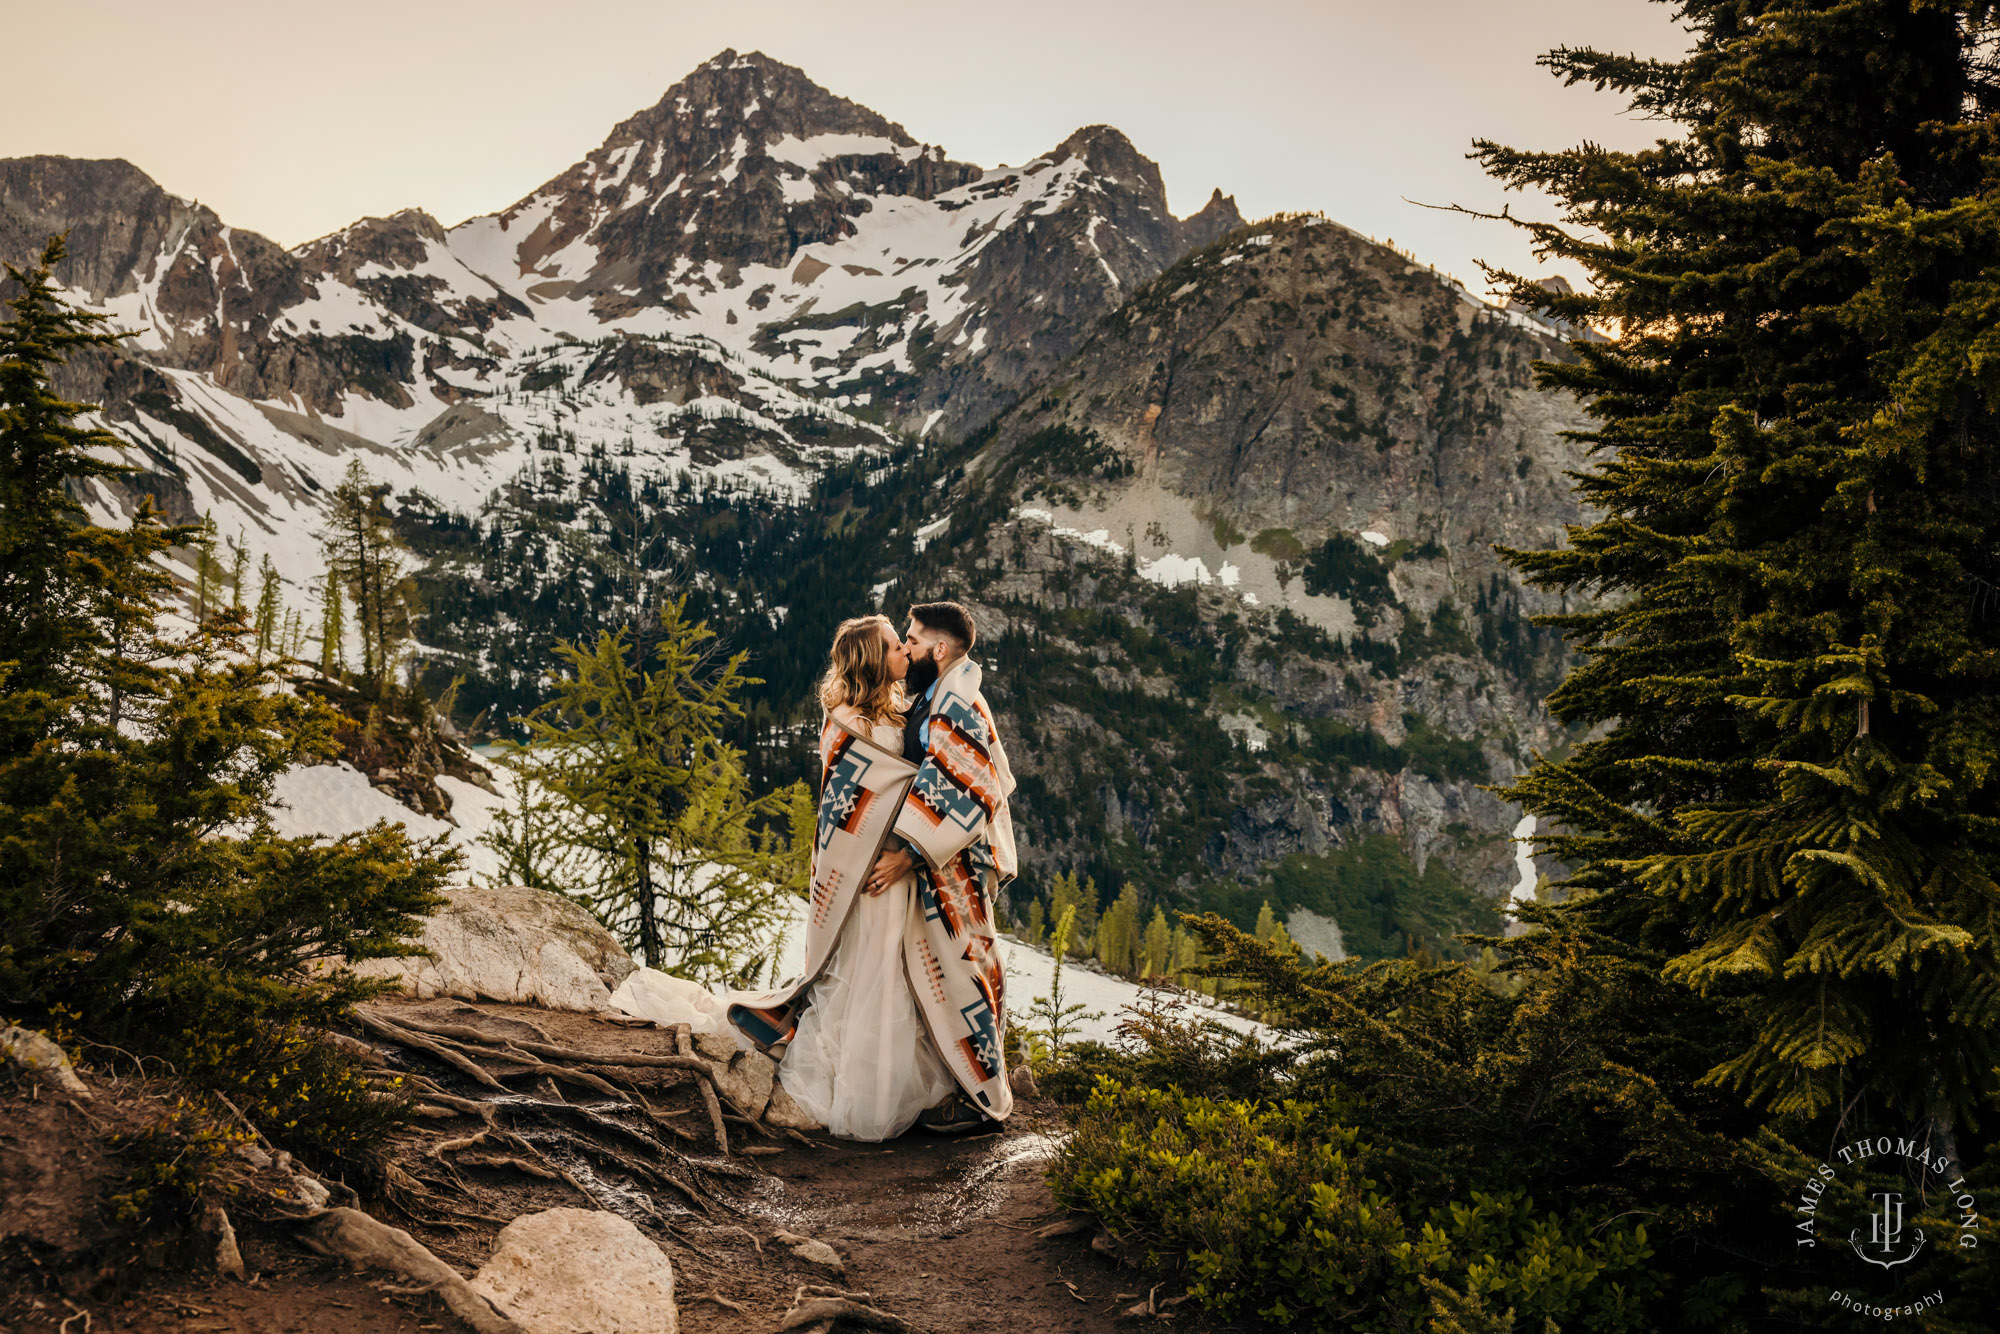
point(167, 1167)
point(1161, 1047)
point(1275, 1208)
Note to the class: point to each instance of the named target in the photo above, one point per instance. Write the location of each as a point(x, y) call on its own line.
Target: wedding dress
point(862, 1062)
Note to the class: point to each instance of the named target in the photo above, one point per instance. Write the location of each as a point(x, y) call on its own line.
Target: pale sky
point(295, 119)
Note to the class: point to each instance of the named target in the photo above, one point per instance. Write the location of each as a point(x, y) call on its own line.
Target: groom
point(955, 829)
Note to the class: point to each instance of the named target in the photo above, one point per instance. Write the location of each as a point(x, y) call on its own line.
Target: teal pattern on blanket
point(845, 799)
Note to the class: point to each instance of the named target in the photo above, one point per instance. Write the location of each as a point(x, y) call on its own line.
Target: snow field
point(334, 799)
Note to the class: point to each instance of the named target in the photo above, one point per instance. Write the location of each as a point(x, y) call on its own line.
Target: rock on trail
point(580, 1271)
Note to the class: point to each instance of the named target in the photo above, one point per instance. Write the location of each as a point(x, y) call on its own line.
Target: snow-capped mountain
point(753, 247)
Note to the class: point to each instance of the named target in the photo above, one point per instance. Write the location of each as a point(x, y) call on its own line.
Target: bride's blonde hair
point(857, 673)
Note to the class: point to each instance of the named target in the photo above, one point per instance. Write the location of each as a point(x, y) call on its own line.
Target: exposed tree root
point(469, 1068)
point(684, 1039)
point(520, 1020)
point(642, 1153)
point(550, 1051)
point(368, 1243)
point(819, 1310)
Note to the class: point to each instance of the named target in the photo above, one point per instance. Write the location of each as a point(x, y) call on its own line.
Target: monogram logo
point(1885, 1233)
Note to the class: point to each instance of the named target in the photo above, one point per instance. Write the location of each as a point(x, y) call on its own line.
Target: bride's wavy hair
point(857, 672)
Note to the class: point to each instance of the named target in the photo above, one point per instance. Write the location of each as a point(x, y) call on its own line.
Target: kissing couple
point(900, 1016)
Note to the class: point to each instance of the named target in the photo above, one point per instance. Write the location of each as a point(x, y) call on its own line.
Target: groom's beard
point(922, 675)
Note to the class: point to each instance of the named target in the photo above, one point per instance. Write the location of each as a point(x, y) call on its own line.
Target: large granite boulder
point(511, 943)
point(579, 1271)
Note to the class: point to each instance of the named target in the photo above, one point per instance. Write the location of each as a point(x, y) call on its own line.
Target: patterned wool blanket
point(953, 809)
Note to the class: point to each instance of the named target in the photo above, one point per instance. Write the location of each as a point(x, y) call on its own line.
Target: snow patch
point(1172, 571)
point(809, 153)
point(1524, 864)
point(922, 537)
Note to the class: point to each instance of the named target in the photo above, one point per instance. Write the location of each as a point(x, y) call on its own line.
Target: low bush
point(1278, 1210)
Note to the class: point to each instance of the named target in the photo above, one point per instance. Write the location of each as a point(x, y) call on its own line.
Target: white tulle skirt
point(862, 1062)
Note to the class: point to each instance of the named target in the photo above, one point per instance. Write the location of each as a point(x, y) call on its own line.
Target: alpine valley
point(1223, 496)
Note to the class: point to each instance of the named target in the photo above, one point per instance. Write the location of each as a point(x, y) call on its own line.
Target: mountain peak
point(764, 99)
point(1212, 221)
point(1106, 151)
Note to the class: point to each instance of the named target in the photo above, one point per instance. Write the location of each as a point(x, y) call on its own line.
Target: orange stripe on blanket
point(981, 1071)
point(862, 797)
point(822, 897)
point(933, 971)
point(976, 745)
point(830, 752)
point(977, 778)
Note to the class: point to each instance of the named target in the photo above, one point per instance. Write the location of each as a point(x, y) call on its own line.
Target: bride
point(860, 1059)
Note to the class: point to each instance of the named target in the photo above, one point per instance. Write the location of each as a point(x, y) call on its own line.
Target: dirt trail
point(939, 1230)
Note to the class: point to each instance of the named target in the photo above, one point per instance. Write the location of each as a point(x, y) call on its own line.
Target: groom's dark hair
point(947, 618)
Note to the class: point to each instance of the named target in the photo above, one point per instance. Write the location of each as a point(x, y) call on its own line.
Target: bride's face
point(895, 655)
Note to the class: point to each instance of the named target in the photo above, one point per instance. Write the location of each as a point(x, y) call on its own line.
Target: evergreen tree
point(208, 572)
point(535, 836)
point(145, 900)
point(727, 875)
point(1066, 892)
point(332, 628)
point(239, 566)
point(1186, 954)
point(1118, 934)
point(1060, 1018)
point(1038, 923)
point(372, 564)
point(270, 610)
point(692, 871)
point(1794, 647)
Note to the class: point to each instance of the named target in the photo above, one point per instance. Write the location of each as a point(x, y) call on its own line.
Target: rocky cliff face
point(1269, 486)
point(203, 296)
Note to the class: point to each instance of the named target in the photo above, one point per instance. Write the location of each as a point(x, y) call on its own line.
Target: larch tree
point(1118, 935)
point(689, 868)
point(208, 571)
point(1791, 630)
point(1158, 946)
point(239, 570)
point(270, 609)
